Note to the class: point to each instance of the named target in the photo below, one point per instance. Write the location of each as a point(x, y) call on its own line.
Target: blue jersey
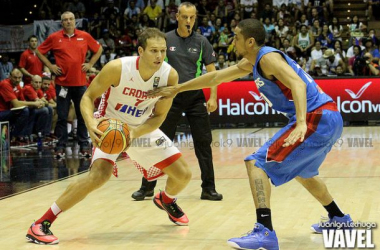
point(278, 96)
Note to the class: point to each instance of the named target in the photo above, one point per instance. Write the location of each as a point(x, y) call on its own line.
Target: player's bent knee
point(179, 170)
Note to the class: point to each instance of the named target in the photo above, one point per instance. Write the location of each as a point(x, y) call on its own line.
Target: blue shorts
point(282, 164)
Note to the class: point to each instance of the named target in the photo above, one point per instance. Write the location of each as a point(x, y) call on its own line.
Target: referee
point(187, 51)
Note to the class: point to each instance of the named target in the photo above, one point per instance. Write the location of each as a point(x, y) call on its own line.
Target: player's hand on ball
point(297, 134)
point(166, 92)
point(95, 133)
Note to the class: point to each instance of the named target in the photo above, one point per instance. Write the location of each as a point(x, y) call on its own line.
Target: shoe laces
point(175, 210)
point(251, 233)
point(45, 225)
point(324, 219)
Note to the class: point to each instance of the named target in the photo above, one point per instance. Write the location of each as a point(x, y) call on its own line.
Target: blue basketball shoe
point(335, 223)
point(259, 238)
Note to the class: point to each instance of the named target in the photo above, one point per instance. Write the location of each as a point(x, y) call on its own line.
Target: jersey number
point(138, 101)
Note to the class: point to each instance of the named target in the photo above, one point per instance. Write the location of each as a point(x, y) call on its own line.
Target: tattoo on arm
point(260, 193)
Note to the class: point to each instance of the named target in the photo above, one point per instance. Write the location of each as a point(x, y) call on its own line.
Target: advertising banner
point(358, 99)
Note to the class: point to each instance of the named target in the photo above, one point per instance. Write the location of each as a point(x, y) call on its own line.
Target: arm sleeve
point(208, 56)
point(92, 44)
point(46, 46)
point(29, 94)
point(7, 93)
point(22, 62)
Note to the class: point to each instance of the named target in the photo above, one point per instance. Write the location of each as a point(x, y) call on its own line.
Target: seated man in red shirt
point(50, 96)
point(42, 117)
point(11, 96)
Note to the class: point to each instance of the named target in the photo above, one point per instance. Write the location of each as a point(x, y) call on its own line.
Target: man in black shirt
point(187, 52)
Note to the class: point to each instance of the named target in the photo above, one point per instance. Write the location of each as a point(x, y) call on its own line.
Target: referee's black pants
point(198, 118)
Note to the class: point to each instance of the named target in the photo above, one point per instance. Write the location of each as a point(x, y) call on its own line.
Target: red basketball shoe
point(176, 215)
point(40, 234)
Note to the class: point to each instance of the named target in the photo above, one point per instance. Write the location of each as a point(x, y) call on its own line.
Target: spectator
point(225, 39)
point(247, 7)
point(131, 10)
point(110, 9)
point(326, 37)
point(106, 57)
point(303, 21)
point(327, 63)
point(336, 29)
point(6, 67)
point(350, 51)
point(316, 53)
point(221, 63)
point(30, 64)
point(372, 35)
point(370, 48)
point(203, 10)
point(95, 25)
point(221, 10)
point(70, 69)
point(267, 13)
point(269, 28)
point(316, 29)
point(315, 16)
point(145, 23)
point(206, 29)
point(106, 41)
point(356, 29)
point(339, 70)
point(11, 96)
point(304, 41)
point(357, 51)
point(281, 29)
point(299, 7)
point(77, 6)
point(364, 66)
point(170, 17)
point(159, 3)
point(42, 117)
point(154, 13)
point(339, 51)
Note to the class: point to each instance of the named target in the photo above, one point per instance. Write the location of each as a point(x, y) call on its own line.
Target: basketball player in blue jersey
point(298, 149)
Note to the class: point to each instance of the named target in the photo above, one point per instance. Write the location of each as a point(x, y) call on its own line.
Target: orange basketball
point(115, 137)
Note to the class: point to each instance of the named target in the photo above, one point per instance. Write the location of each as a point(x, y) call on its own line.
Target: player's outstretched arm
point(107, 77)
point(274, 65)
point(161, 109)
point(208, 80)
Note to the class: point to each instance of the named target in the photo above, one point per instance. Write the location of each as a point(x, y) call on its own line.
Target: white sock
point(55, 209)
point(69, 126)
point(75, 123)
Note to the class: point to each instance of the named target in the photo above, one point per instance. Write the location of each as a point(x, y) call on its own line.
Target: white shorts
point(150, 154)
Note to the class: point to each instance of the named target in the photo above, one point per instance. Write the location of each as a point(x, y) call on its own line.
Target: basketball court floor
point(110, 219)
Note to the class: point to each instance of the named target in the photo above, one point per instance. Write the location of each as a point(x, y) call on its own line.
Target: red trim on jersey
point(137, 63)
point(276, 152)
point(104, 104)
point(285, 90)
point(168, 161)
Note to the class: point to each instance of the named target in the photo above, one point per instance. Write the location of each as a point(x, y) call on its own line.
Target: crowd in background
point(305, 30)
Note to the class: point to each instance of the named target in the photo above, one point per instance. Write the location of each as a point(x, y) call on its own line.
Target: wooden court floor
point(110, 219)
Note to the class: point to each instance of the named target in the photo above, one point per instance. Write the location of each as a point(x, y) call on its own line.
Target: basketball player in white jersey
point(126, 82)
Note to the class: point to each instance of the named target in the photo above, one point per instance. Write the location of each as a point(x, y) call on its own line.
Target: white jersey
point(128, 102)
